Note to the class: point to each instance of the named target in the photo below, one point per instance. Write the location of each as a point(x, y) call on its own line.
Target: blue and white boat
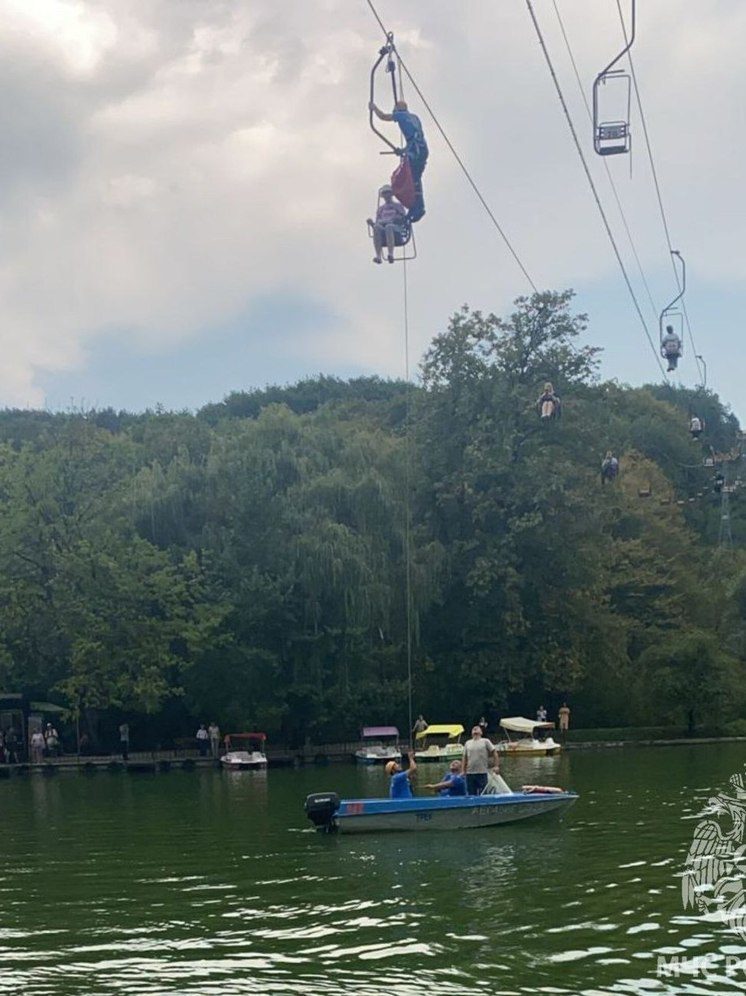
point(382, 745)
point(329, 813)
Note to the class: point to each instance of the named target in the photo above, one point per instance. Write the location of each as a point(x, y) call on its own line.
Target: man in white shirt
point(203, 740)
point(477, 753)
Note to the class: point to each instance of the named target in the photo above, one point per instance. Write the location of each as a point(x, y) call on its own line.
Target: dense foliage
point(249, 563)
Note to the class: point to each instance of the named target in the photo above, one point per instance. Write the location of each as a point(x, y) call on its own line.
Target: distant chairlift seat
point(613, 138)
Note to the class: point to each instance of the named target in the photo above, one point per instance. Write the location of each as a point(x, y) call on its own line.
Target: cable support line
point(589, 177)
point(658, 194)
point(408, 500)
point(455, 154)
point(606, 165)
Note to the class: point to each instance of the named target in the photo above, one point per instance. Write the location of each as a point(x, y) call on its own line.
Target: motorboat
point(381, 745)
point(528, 738)
point(330, 814)
point(244, 752)
point(439, 743)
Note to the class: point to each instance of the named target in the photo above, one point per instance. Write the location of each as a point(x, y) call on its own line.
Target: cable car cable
point(605, 163)
point(456, 156)
point(657, 187)
point(605, 220)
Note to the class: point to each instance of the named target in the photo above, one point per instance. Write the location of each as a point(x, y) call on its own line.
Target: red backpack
point(402, 183)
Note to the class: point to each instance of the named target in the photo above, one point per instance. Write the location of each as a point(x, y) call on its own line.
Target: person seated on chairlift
point(549, 403)
point(415, 148)
point(671, 348)
point(390, 226)
point(609, 467)
point(696, 427)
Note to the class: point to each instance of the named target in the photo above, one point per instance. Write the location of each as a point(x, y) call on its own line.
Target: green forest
point(254, 562)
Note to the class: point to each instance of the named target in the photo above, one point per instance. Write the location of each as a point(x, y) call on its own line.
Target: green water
point(209, 882)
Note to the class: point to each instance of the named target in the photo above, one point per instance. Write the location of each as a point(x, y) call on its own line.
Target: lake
point(207, 882)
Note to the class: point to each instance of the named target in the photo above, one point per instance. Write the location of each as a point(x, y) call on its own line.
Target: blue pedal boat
point(331, 814)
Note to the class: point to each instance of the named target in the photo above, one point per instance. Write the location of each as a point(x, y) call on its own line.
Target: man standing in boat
point(401, 787)
point(477, 753)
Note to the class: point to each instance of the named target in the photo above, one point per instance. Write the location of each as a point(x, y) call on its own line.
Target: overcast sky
point(185, 185)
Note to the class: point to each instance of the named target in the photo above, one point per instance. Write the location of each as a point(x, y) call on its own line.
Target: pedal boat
point(439, 744)
point(252, 758)
point(382, 745)
point(525, 742)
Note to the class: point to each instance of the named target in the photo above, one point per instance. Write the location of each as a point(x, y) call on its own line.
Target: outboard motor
point(320, 808)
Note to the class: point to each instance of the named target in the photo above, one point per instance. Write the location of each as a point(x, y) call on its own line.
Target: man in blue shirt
point(401, 787)
point(415, 148)
point(453, 783)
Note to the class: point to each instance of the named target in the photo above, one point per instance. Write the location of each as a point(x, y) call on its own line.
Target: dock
point(179, 759)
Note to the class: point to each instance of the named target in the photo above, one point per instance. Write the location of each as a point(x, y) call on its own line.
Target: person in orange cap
point(401, 784)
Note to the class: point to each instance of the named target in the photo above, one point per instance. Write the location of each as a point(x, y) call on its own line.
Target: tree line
point(248, 563)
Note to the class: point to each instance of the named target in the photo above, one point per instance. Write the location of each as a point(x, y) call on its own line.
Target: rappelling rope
point(408, 493)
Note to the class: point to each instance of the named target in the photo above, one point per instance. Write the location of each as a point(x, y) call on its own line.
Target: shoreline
point(164, 761)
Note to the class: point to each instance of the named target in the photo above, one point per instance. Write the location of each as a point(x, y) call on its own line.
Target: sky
point(185, 187)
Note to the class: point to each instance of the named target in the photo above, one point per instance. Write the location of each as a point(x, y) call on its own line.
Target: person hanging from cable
point(415, 150)
point(609, 467)
point(696, 426)
point(391, 227)
point(671, 348)
point(549, 404)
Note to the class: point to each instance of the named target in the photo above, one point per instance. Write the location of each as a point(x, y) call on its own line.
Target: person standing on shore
point(214, 731)
point(52, 740)
point(124, 740)
point(11, 746)
point(37, 747)
point(203, 740)
point(477, 753)
point(564, 718)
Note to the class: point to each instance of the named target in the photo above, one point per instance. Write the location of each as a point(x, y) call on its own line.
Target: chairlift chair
point(612, 138)
point(612, 135)
point(673, 317)
point(401, 239)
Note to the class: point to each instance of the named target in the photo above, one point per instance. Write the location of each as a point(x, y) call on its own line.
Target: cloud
point(165, 165)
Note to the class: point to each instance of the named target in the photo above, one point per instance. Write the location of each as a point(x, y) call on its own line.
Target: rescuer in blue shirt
point(401, 787)
point(453, 783)
point(415, 148)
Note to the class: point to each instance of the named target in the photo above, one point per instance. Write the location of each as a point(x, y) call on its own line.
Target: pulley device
point(611, 113)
